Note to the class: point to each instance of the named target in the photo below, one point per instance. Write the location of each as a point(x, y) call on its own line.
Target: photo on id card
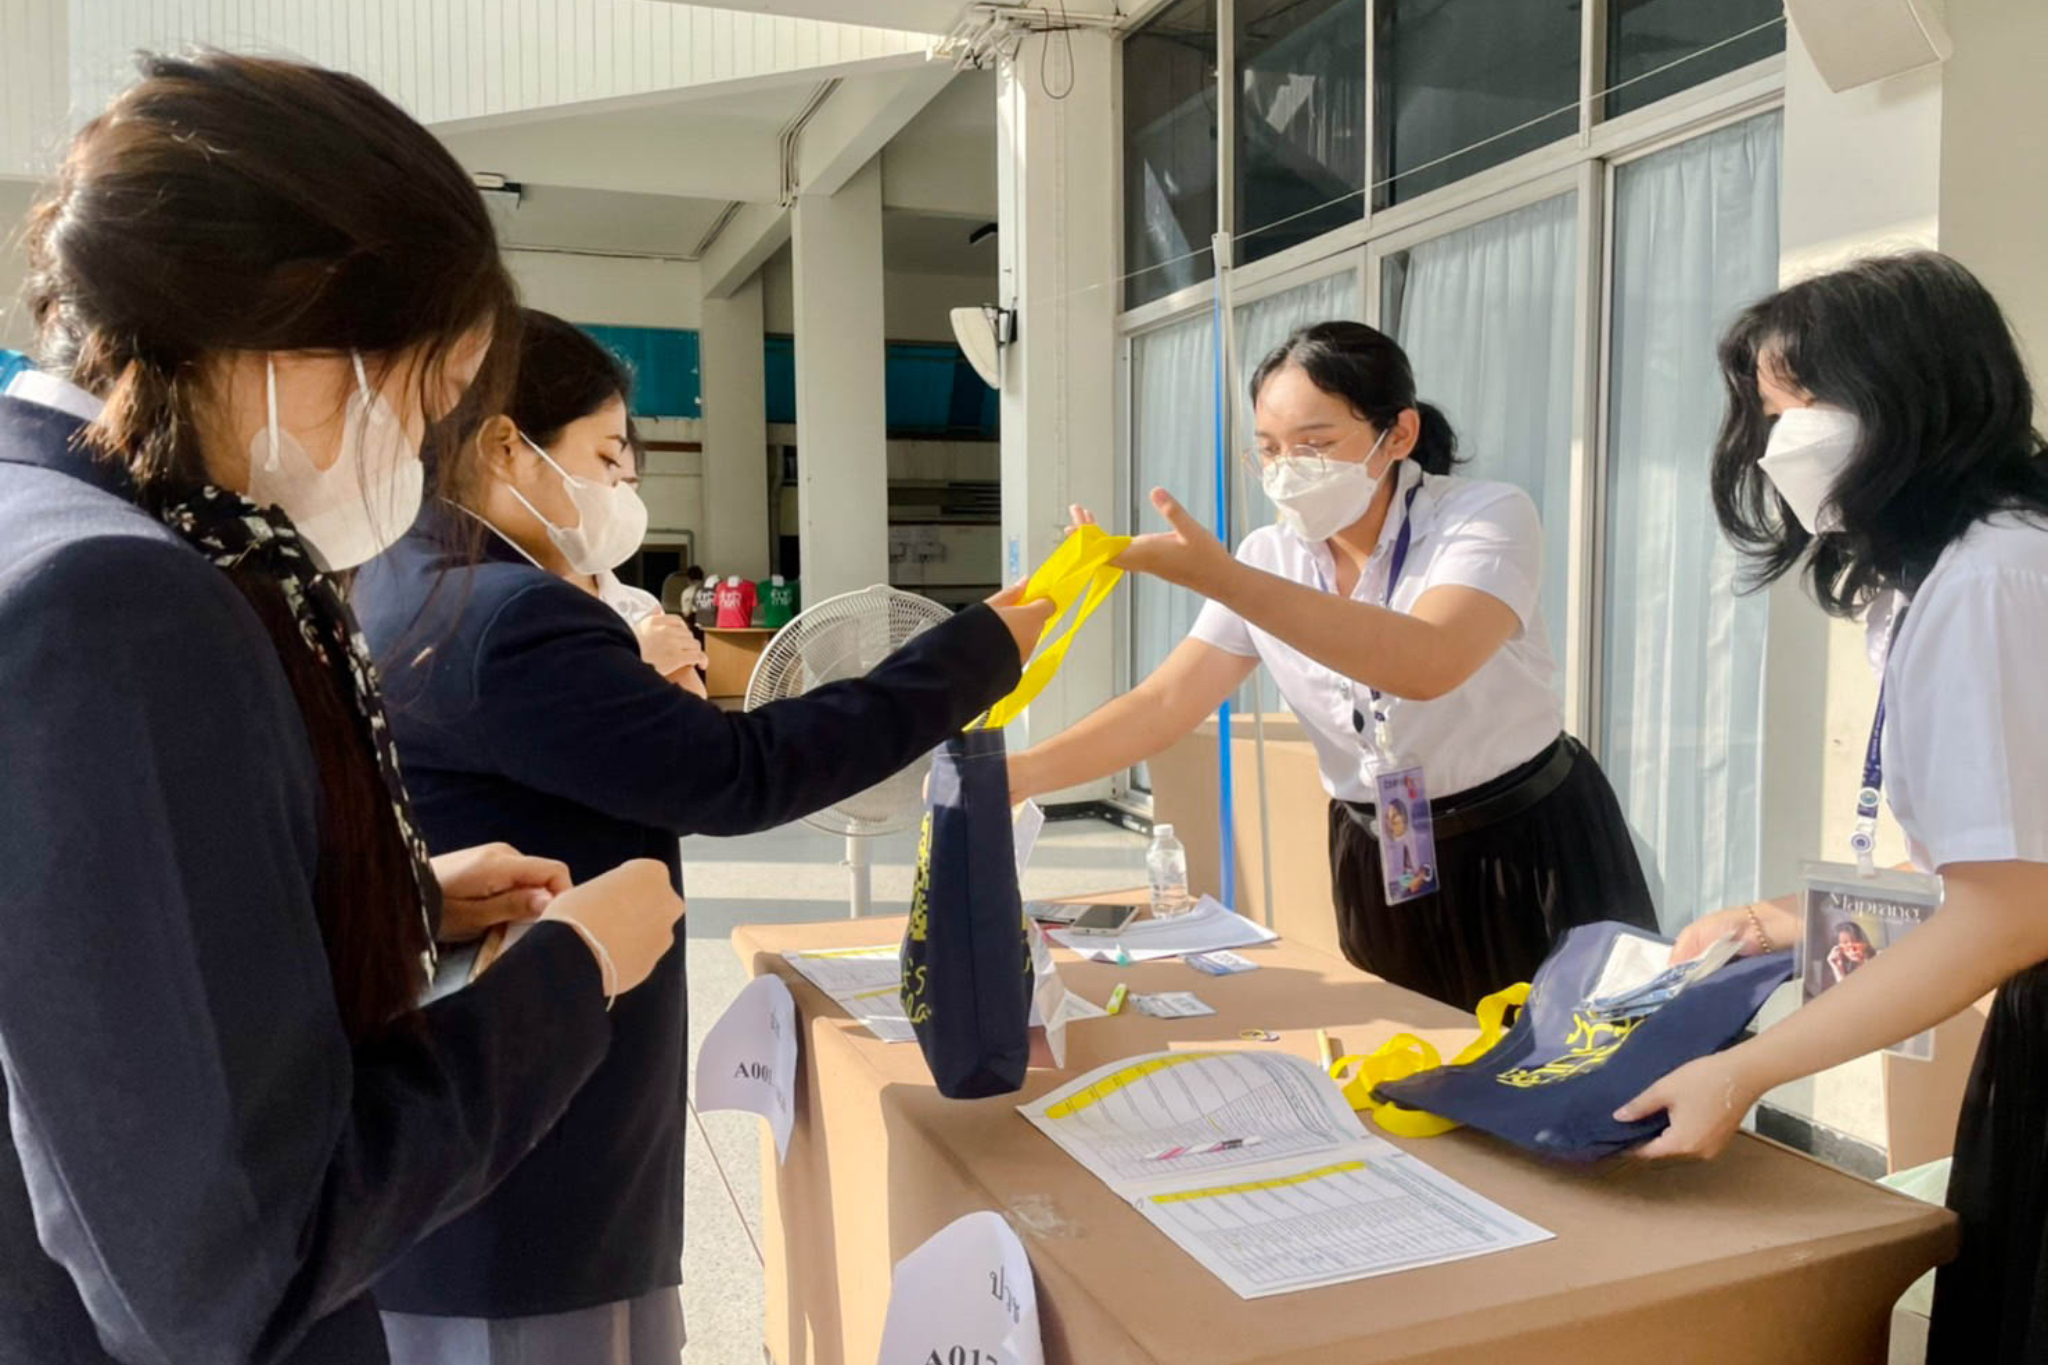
point(1850, 919)
point(1407, 844)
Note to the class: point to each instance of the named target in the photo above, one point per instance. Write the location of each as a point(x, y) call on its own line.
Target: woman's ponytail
point(1436, 446)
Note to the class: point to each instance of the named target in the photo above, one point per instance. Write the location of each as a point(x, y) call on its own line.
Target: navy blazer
point(200, 1169)
point(523, 712)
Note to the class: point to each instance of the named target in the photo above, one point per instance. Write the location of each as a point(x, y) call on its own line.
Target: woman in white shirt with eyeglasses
point(1397, 608)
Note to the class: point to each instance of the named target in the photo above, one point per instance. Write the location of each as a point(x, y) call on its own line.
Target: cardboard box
point(1763, 1257)
point(1295, 828)
point(730, 656)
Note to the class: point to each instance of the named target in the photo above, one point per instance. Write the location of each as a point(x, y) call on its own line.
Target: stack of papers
point(865, 982)
point(868, 984)
point(1204, 929)
point(1252, 1163)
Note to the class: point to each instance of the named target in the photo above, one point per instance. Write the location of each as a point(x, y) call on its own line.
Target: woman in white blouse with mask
point(1397, 608)
point(1880, 437)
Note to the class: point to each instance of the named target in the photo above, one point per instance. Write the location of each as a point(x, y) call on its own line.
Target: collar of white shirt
point(47, 390)
point(1407, 475)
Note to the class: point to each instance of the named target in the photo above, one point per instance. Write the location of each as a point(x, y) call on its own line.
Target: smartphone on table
point(1104, 919)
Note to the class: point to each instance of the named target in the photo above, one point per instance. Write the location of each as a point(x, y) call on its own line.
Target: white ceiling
point(608, 221)
point(918, 16)
point(651, 176)
point(931, 244)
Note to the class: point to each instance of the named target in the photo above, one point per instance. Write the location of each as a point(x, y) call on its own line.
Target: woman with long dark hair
point(1880, 436)
point(535, 714)
point(255, 283)
point(1396, 606)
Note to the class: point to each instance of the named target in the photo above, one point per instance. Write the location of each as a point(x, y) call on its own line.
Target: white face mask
point(1804, 459)
point(357, 507)
point(611, 520)
point(1319, 498)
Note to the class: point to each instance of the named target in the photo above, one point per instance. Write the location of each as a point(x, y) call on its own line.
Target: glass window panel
point(1695, 240)
point(1468, 84)
point(1169, 89)
point(1684, 42)
point(1300, 121)
point(1486, 315)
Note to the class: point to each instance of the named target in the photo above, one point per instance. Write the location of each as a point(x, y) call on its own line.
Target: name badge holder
point(1401, 817)
point(1852, 912)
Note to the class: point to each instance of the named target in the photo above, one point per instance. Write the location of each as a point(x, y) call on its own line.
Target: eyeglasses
point(1258, 459)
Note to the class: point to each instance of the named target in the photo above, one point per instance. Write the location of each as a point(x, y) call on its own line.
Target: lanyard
point(1864, 841)
point(1382, 736)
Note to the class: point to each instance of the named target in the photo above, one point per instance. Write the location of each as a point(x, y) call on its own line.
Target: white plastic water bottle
point(1166, 867)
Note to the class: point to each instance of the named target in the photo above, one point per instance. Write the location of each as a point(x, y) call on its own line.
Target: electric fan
point(845, 637)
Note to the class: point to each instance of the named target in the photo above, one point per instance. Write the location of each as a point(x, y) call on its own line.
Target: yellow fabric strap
point(1406, 1055)
point(1078, 571)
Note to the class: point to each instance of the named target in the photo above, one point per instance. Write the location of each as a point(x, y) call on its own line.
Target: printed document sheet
point(866, 982)
point(1252, 1163)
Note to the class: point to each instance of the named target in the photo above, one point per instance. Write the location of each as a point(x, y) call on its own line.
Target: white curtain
point(1173, 446)
point(1485, 314)
point(1696, 238)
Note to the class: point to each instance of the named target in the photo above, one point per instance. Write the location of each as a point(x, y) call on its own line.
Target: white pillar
point(734, 539)
point(1994, 203)
point(842, 454)
point(1056, 192)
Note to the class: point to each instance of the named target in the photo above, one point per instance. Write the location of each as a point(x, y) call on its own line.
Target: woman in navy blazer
point(254, 283)
point(530, 715)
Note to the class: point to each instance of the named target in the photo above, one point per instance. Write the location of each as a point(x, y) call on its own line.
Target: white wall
point(914, 307)
point(459, 59)
point(35, 93)
point(15, 198)
point(627, 291)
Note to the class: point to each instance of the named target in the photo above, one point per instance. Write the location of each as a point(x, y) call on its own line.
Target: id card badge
point(1407, 844)
point(1851, 917)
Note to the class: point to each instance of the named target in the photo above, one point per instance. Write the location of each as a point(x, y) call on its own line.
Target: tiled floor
point(793, 875)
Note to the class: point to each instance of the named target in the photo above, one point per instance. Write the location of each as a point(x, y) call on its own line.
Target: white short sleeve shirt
point(1468, 533)
point(1966, 706)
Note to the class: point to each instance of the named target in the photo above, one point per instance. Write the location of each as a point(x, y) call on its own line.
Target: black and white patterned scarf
point(235, 533)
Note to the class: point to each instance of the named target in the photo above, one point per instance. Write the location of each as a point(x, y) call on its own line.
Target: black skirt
point(1507, 889)
point(1991, 1304)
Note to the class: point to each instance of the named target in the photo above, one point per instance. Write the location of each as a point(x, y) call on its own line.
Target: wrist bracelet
point(1763, 938)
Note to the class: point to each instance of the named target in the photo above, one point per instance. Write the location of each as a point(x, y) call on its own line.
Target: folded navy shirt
point(1554, 1080)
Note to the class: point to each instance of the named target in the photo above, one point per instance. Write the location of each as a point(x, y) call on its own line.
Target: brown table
point(1762, 1256)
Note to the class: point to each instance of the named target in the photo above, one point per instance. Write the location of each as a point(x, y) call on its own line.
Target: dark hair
point(1917, 349)
point(559, 374)
point(226, 203)
point(563, 374)
point(1367, 369)
point(1853, 930)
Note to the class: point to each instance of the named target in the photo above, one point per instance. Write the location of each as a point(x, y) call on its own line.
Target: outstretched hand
point(1187, 553)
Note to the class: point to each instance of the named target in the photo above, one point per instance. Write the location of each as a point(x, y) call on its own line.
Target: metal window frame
point(1584, 164)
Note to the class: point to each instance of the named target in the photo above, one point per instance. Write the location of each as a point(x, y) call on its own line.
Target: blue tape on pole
point(1226, 843)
